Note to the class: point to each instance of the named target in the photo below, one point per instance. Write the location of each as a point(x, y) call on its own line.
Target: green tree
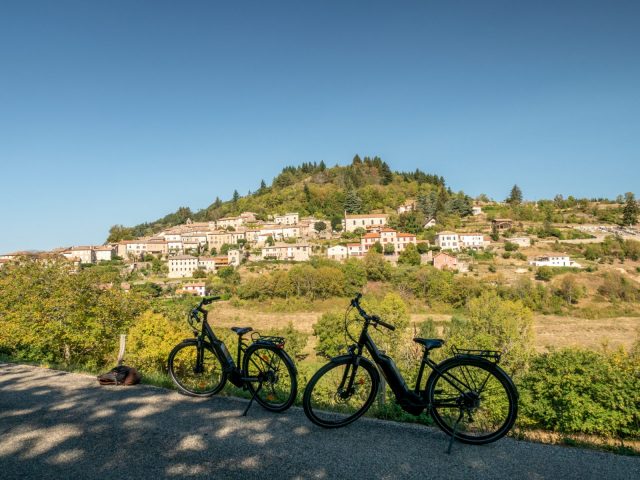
point(336, 223)
point(50, 312)
point(352, 202)
point(377, 268)
point(377, 247)
point(330, 333)
point(236, 196)
point(515, 197)
point(389, 249)
point(544, 273)
point(409, 256)
point(630, 210)
point(386, 174)
point(496, 324)
point(320, 226)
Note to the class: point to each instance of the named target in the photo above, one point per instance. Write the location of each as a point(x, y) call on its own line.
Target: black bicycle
point(201, 366)
point(468, 395)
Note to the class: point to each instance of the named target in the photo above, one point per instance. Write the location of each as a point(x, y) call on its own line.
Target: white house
point(297, 252)
point(386, 236)
point(277, 232)
point(448, 241)
point(287, 219)
point(471, 240)
point(81, 254)
point(476, 210)
point(233, 255)
point(182, 266)
point(520, 241)
point(430, 223)
point(208, 264)
point(195, 288)
point(554, 260)
point(351, 222)
point(104, 253)
point(354, 250)
point(337, 252)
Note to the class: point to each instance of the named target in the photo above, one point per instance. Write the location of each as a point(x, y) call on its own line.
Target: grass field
point(551, 331)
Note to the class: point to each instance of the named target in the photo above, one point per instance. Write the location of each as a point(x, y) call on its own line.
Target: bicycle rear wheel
point(279, 383)
point(340, 393)
point(198, 379)
point(473, 397)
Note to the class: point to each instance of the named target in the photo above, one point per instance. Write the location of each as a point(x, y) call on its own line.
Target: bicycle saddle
point(241, 330)
point(429, 343)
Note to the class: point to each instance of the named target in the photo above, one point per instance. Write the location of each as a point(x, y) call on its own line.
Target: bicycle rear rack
point(491, 355)
point(270, 339)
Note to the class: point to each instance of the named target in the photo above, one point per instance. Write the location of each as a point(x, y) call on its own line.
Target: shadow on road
point(60, 425)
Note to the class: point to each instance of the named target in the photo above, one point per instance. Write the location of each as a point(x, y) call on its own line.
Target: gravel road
point(60, 425)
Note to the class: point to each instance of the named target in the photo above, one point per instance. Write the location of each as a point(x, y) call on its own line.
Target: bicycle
point(200, 367)
point(468, 395)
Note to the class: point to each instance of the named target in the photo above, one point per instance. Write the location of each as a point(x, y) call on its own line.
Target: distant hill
point(367, 184)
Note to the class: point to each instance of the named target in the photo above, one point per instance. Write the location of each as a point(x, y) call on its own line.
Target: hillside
point(365, 185)
point(369, 185)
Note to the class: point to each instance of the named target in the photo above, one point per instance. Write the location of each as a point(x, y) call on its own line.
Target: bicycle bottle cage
point(277, 341)
point(491, 355)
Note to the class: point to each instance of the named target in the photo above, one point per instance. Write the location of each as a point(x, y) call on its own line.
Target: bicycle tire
point(182, 370)
point(489, 400)
point(326, 404)
point(280, 385)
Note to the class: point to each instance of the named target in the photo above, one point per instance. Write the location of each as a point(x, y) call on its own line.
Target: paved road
point(60, 425)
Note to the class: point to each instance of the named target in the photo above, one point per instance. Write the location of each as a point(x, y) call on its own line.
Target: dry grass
point(552, 331)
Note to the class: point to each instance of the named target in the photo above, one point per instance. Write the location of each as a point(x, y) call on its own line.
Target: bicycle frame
point(231, 368)
point(412, 401)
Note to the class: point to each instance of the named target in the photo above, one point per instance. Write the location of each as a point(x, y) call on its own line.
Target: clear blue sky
point(122, 111)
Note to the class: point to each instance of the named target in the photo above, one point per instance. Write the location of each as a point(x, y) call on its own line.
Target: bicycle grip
point(385, 324)
point(208, 300)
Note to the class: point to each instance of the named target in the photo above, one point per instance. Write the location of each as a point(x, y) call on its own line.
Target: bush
point(510, 247)
point(296, 340)
point(51, 313)
point(409, 256)
point(581, 391)
point(150, 339)
point(330, 332)
point(544, 273)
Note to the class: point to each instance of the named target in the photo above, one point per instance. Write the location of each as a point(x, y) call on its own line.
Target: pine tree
point(263, 187)
point(217, 203)
point(352, 202)
point(515, 197)
point(236, 196)
point(322, 167)
point(630, 210)
point(307, 193)
point(356, 160)
point(386, 174)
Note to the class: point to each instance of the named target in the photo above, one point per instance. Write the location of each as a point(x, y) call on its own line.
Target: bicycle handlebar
point(370, 318)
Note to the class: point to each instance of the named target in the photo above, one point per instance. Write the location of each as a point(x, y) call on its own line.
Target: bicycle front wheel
point(473, 398)
point(278, 387)
point(196, 378)
point(340, 392)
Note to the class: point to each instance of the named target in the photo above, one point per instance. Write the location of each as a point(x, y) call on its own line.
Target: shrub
point(581, 391)
point(150, 339)
point(330, 332)
point(544, 274)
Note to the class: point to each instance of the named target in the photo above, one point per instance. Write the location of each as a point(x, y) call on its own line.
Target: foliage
point(617, 287)
point(580, 391)
point(150, 339)
point(496, 324)
point(330, 332)
point(377, 268)
point(630, 210)
point(409, 256)
point(515, 196)
point(544, 273)
point(49, 312)
point(295, 340)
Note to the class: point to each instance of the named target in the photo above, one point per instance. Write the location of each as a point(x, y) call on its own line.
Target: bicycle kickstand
point(455, 430)
point(244, 414)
